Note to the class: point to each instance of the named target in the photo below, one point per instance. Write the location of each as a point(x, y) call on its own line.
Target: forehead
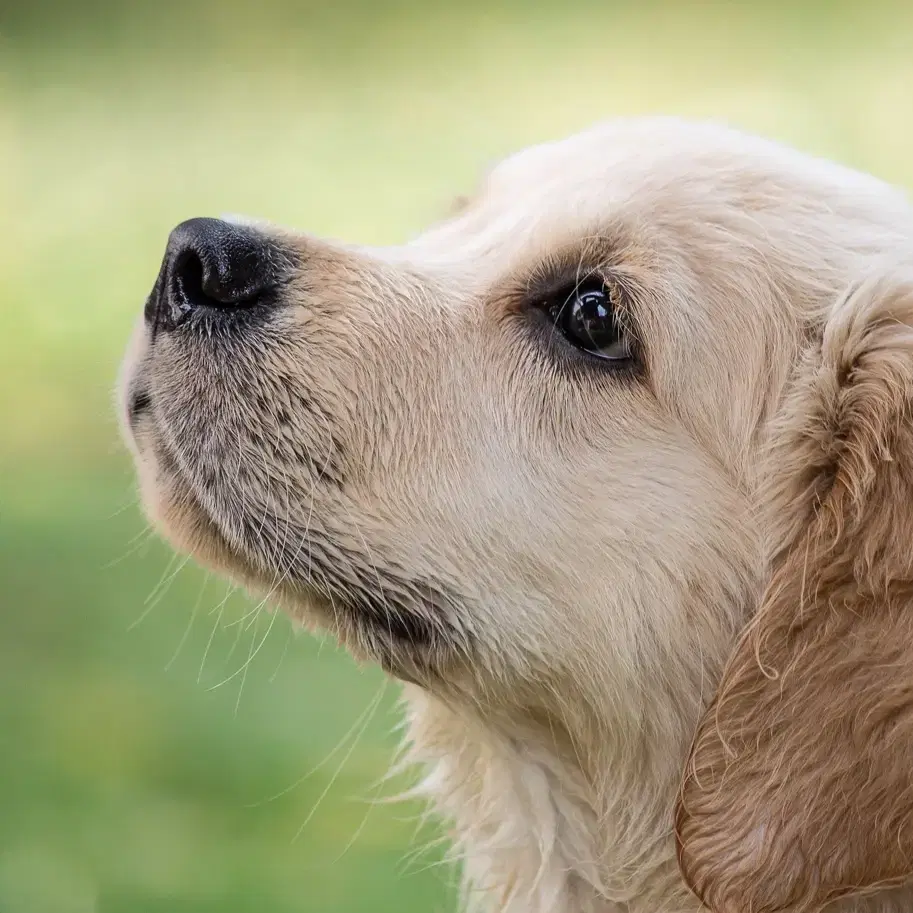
point(556, 194)
point(654, 171)
point(627, 156)
point(609, 155)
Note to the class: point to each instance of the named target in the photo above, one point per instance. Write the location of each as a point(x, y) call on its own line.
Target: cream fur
point(594, 546)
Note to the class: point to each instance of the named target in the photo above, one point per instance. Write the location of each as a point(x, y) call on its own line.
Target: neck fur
point(543, 826)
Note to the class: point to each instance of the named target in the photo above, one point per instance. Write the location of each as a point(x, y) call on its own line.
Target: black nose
point(212, 264)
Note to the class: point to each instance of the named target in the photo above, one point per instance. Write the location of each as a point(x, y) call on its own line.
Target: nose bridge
point(445, 276)
point(474, 252)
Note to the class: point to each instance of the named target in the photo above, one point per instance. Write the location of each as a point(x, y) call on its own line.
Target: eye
point(585, 314)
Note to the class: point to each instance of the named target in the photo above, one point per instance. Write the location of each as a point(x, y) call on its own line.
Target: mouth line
point(391, 610)
point(140, 402)
point(416, 621)
point(411, 628)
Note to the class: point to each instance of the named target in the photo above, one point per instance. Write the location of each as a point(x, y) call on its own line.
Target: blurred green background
point(164, 749)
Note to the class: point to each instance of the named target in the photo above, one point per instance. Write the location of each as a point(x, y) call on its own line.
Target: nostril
point(187, 277)
point(210, 263)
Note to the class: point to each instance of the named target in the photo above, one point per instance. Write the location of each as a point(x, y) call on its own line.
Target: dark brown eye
point(586, 316)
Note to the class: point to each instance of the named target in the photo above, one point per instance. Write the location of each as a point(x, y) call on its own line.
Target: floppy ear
point(799, 787)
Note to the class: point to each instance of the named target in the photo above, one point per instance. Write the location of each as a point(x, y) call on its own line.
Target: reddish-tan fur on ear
point(799, 788)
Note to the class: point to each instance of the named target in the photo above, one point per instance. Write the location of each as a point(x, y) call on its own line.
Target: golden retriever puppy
point(614, 470)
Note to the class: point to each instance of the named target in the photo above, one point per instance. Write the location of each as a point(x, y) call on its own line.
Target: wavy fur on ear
point(799, 787)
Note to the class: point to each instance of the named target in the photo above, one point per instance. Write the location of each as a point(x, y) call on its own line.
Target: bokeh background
point(164, 748)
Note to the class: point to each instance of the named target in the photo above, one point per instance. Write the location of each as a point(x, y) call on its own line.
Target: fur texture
point(565, 562)
point(800, 787)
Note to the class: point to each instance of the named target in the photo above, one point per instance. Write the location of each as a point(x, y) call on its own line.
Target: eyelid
point(540, 288)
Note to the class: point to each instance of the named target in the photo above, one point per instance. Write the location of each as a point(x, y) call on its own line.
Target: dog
point(613, 470)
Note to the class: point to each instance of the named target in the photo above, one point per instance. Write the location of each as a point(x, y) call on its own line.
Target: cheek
point(618, 545)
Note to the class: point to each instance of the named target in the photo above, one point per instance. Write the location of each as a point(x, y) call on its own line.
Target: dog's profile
point(614, 470)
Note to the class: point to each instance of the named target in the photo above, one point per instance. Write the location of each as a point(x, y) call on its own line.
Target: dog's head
point(642, 391)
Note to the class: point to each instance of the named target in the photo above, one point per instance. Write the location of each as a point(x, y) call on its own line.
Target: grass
point(146, 766)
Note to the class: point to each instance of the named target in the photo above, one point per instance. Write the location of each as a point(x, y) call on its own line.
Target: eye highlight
point(585, 314)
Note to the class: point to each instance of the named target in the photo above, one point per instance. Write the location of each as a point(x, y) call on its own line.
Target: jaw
point(406, 626)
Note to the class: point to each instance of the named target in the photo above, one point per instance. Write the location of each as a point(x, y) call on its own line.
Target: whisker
point(221, 609)
point(332, 781)
point(253, 651)
point(288, 640)
point(158, 593)
point(193, 615)
point(373, 802)
point(237, 639)
point(360, 721)
point(134, 544)
point(131, 500)
point(252, 613)
point(246, 665)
